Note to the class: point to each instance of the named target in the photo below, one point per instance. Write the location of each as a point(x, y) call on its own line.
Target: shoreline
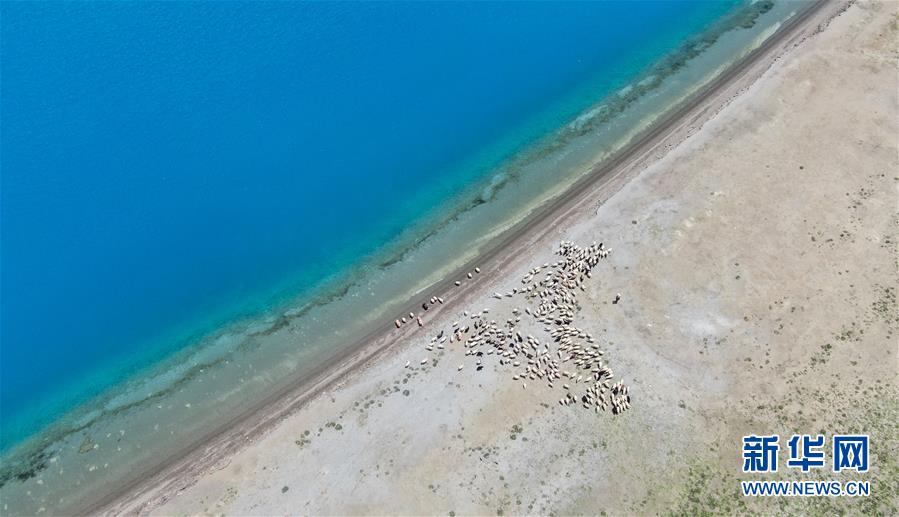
point(210, 449)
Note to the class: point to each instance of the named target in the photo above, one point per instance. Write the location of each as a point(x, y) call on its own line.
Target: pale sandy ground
point(758, 265)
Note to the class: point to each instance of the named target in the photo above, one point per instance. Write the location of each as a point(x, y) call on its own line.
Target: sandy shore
point(754, 245)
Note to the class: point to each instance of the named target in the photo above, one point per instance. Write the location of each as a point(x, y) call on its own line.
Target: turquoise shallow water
point(169, 168)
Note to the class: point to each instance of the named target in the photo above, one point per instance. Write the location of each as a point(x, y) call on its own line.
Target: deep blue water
point(165, 167)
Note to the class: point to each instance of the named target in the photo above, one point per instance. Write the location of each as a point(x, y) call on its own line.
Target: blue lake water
point(169, 167)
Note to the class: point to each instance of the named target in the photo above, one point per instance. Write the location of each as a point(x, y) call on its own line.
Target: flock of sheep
point(568, 359)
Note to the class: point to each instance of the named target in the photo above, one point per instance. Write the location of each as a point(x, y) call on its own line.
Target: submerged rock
point(87, 445)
